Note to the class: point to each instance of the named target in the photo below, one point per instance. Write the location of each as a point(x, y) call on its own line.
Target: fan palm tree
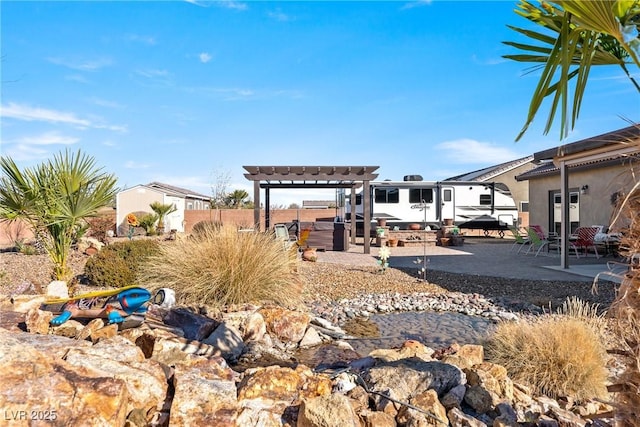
point(162, 210)
point(55, 198)
point(236, 198)
point(582, 34)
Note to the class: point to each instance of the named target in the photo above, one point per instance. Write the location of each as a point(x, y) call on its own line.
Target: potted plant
point(162, 211)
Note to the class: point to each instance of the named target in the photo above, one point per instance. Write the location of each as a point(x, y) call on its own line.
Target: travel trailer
point(470, 204)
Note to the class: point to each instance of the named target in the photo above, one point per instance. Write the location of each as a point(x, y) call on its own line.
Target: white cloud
point(227, 4)
point(236, 94)
point(131, 164)
point(232, 4)
point(468, 151)
point(29, 114)
point(141, 39)
point(205, 57)
point(86, 65)
point(152, 73)
point(198, 3)
point(22, 152)
point(418, 3)
point(76, 78)
point(278, 15)
point(48, 138)
point(105, 103)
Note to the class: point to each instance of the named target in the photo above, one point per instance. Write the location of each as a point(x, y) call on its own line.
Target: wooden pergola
point(301, 177)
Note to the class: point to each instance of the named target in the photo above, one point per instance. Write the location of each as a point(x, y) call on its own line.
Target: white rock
point(57, 289)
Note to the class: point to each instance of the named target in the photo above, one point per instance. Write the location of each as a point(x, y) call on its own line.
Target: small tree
point(55, 198)
point(162, 210)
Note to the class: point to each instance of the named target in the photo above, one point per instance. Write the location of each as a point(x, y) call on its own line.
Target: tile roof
point(177, 191)
point(492, 171)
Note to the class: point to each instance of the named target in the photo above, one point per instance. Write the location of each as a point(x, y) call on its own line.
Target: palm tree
point(583, 34)
point(55, 198)
point(236, 198)
point(162, 211)
point(594, 32)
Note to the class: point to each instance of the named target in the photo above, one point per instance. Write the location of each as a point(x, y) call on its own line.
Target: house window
point(417, 195)
point(189, 206)
point(485, 199)
point(387, 195)
point(524, 206)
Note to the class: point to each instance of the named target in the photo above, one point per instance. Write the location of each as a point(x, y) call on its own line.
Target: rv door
point(447, 206)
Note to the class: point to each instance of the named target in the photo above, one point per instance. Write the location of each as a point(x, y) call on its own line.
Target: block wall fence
point(10, 232)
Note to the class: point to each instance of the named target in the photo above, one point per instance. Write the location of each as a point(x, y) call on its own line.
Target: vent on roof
point(412, 178)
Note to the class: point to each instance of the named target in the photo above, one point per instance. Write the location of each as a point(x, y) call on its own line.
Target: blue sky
point(187, 92)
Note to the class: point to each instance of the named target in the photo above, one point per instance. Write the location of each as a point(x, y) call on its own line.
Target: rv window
point(358, 199)
point(447, 196)
point(417, 195)
point(485, 199)
point(387, 195)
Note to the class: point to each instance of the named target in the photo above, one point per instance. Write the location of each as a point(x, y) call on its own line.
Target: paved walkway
point(481, 256)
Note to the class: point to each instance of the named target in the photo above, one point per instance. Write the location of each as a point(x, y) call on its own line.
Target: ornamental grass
point(554, 355)
point(221, 266)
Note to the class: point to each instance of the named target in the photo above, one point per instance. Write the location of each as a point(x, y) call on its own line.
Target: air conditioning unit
point(412, 178)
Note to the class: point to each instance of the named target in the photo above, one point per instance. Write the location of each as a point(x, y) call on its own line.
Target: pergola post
point(352, 209)
point(564, 215)
point(366, 216)
point(267, 209)
point(256, 206)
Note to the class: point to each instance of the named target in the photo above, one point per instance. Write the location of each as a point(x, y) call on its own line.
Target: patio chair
point(520, 239)
point(536, 241)
point(282, 233)
point(585, 239)
point(618, 270)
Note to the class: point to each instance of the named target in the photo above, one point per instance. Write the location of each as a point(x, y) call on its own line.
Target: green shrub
point(554, 355)
point(25, 248)
point(117, 264)
point(221, 266)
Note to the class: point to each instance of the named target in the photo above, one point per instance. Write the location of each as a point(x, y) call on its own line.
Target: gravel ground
point(325, 282)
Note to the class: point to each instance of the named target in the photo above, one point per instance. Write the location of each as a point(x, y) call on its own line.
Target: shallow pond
point(435, 330)
point(432, 329)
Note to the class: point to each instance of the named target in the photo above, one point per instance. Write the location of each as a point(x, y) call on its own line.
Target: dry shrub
point(99, 226)
point(554, 355)
point(588, 313)
point(626, 309)
point(221, 266)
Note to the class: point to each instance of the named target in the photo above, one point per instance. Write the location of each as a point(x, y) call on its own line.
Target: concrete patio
point(485, 257)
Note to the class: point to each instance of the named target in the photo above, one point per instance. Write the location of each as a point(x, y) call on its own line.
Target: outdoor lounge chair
point(520, 239)
point(536, 241)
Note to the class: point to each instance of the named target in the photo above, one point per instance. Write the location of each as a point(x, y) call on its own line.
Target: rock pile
point(338, 312)
point(177, 369)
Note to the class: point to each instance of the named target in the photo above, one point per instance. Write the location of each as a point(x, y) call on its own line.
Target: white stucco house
point(139, 197)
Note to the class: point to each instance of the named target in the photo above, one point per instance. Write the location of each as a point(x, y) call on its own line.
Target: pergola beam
point(303, 177)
